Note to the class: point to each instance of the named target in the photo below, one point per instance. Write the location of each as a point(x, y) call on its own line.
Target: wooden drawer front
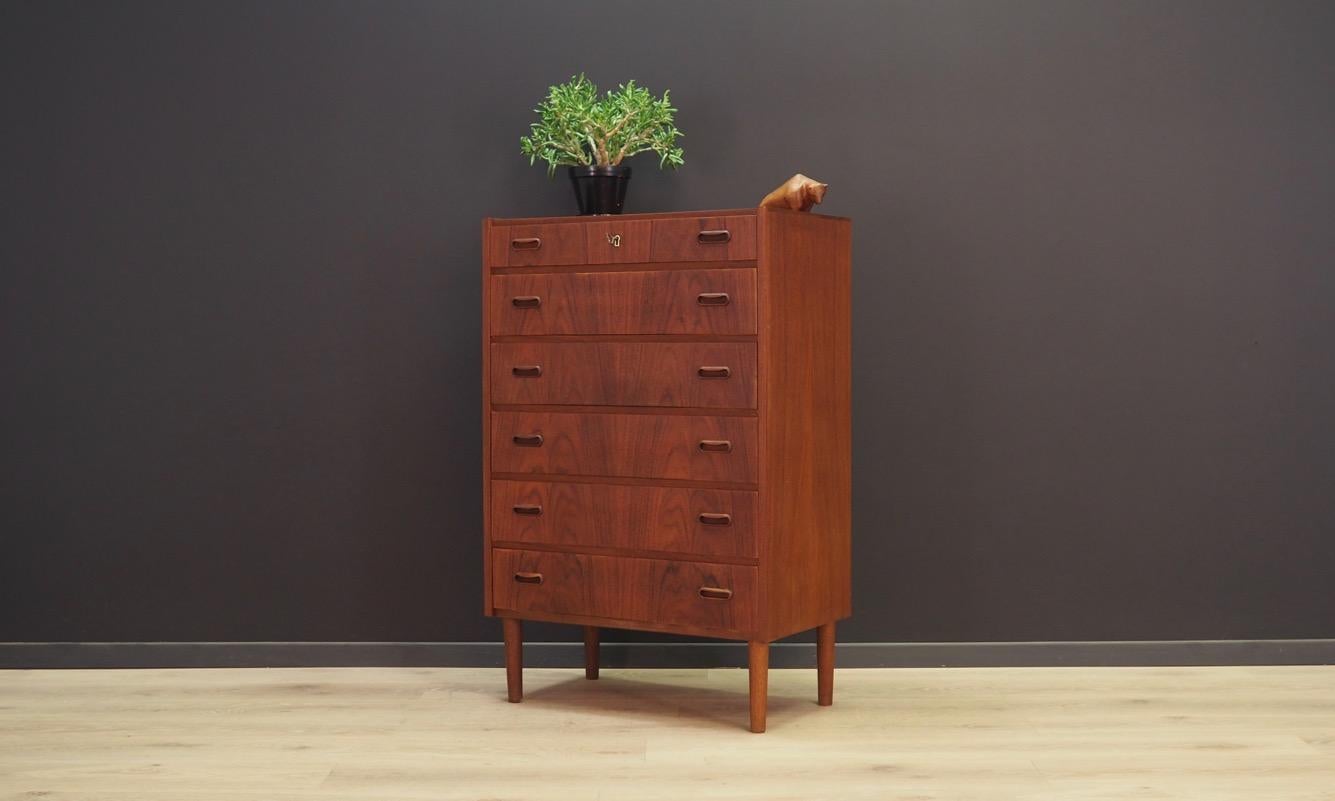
point(624, 588)
point(704, 375)
point(534, 245)
point(612, 241)
point(650, 302)
point(703, 522)
point(704, 239)
point(632, 445)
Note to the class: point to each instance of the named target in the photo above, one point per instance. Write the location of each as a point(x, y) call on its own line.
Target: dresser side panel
point(487, 606)
point(805, 419)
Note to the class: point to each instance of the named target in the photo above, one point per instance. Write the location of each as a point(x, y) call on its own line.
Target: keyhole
point(614, 240)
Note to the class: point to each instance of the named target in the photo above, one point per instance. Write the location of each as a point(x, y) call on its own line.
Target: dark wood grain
point(635, 445)
point(664, 519)
point(625, 588)
point(678, 238)
point(639, 302)
point(805, 400)
point(625, 374)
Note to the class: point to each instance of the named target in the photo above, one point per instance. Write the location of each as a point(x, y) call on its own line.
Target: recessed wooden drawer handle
point(528, 578)
point(715, 593)
point(531, 509)
point(715, 446)
point(526, 370)
point(715, 519)
point(528, 440)
point(715, 237)
point(527, 301)
point(713, 299)
point(527, 243)
point(713, 372)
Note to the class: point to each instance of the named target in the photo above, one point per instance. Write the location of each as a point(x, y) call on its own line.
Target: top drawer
point(609, 240)
point(530, 245)
point(704, 239)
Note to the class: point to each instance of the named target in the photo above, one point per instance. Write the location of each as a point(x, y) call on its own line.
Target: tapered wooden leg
point(514, 658)
point(825, 664)
point(591, 652)
point(758, 664)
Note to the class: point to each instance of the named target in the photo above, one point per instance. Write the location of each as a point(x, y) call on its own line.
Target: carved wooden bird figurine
point(798, 193)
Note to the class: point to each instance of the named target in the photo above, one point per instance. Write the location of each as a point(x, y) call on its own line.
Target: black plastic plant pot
point(600, 190)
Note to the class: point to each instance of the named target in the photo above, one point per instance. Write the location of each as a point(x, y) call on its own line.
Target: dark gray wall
point(1094, 315)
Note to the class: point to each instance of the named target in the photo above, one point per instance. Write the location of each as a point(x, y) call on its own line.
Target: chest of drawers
point(666, 429)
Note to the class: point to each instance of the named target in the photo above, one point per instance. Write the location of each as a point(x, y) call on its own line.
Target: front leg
point(825, 664)
point(591, 643)
point(514, 658)
point(758, 667)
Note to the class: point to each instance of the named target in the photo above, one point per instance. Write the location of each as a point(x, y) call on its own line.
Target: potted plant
point(593, 136)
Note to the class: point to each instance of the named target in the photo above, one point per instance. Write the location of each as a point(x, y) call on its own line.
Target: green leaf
point(576, 127)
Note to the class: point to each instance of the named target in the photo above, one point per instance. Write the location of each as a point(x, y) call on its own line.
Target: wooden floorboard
point(385, 734)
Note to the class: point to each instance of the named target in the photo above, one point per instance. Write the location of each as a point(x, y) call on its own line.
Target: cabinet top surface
point(653, 215)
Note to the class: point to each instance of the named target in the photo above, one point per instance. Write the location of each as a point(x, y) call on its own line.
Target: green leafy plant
point(577, 128)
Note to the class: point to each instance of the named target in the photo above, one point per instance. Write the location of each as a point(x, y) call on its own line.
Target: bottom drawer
point(694, 595)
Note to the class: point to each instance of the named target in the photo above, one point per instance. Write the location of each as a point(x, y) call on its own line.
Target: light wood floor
point(1057, 734)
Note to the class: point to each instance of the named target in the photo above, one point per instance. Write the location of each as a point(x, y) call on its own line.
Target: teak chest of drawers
point(666, 428)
